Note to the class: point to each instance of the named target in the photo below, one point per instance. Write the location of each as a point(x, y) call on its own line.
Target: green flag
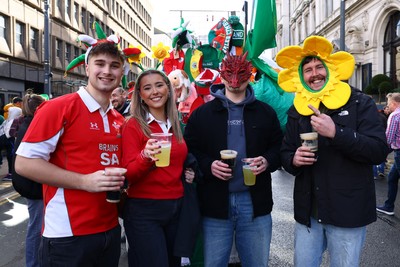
point(263, 29)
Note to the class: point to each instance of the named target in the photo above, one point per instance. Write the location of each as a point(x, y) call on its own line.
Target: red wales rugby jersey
point(85, 139)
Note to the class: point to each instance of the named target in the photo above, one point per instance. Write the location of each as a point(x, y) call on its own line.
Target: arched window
point(391, 49)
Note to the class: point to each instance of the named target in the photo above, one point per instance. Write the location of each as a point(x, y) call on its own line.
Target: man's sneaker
point(8, 177)
point(385, 210)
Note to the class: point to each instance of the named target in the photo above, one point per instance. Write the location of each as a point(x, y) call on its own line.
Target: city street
point(381, 246)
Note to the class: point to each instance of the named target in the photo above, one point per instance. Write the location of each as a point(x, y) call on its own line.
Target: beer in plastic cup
point(164, 140)
point(114, 196)
point(248, 175)
point(228, 156)
point(310, 140)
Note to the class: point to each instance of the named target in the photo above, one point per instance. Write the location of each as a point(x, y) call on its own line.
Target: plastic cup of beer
point(310, 140)
point(164, 140)
point(114, 196)
point(228, 156)
point(248, 175)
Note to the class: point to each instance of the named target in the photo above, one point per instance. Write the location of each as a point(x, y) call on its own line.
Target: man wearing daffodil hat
point(334, 192)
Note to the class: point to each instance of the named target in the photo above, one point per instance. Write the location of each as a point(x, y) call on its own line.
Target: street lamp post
point(342, 25)
point(245, 9)
point(47, 66)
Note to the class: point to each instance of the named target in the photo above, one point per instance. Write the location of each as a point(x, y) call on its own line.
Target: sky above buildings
point(201, 14)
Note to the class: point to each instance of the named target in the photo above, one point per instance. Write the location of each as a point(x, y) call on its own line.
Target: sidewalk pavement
point(6, 189)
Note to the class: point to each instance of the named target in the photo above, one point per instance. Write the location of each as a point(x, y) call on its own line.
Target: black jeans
point(96, 250)
point(151, 226)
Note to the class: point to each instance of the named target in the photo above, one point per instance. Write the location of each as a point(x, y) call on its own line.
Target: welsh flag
point(262, 31)
point(261, 36)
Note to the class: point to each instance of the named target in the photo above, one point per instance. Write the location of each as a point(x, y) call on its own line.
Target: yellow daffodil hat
point(339, 66)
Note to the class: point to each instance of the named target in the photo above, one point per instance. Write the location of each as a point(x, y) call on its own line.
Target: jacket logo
point(93, 126)
point(116, 125)
point(343, 113)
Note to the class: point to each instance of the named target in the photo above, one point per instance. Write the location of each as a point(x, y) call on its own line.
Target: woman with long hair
point(151, 212)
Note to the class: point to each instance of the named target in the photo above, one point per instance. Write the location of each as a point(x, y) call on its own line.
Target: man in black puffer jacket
point(235, 120)
point(334, 192)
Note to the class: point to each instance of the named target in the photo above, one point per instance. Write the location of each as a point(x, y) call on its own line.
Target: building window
point(19, 33)
point(91, 19)
point(84, 18)
point(34, 39)
point(313, 16)
point(328, 7)
point(59, 4)
point(58, 48)
point(76, 12)
point(398, 29)
point(3, 27)
point(299, 33)
point(306, 24)
point(293, 36)
point(391, 47)
point(76, 51)
point(67, 8)
point(117, 10)
point(68, 52)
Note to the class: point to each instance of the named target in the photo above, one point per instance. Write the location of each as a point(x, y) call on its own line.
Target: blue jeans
point(344, 245)
point(95, 250)
point(150, 227)
point(33, 232)
point(393, 181)
point(378, 169)
point(252, 235)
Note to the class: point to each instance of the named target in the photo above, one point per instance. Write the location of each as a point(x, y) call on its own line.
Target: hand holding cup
point(304, 155)
point(114, 196)
point(248, 171)
point(164, 141)
point(228, 156)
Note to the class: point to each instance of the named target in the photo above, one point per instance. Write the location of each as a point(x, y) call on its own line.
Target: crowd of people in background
point(58, 152)
point(12, 111)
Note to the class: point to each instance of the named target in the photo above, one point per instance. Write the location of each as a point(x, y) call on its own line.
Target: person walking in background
point(29, 189)
point(230, 209)
point(2, 120)
point(7, 139)
point(379, 170)
point(120, 101)
point(15, 102)
point(151, 212)
point(68, 145)
point(334, 190)
point(393, 139)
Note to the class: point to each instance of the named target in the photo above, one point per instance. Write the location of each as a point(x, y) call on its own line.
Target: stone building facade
point(22, 43)
point(372, 32)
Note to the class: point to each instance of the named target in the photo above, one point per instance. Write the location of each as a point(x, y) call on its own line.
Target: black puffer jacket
point(341, 180)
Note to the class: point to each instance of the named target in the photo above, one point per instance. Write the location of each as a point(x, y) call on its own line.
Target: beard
point(233, 89)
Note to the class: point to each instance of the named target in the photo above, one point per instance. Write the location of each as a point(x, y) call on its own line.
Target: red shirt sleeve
point(133, 142)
